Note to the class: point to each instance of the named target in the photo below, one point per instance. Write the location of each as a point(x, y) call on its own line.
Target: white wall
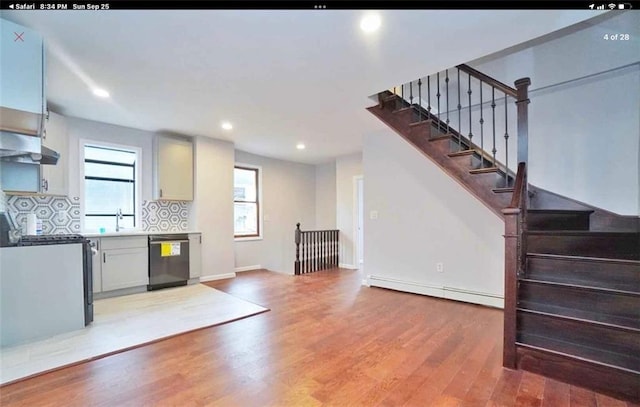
point(584, 134)
point(326, 195)
point(347, 167)
point(288, 197)
point(425, 217)
point(212, 208)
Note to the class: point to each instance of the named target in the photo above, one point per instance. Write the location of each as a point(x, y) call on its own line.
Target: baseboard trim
point(451, 293)
point(347, 266)
point(247, 268)
point(217, 277)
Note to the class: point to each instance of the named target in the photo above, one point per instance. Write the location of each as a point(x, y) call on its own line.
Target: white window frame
point(106, 144)
point(260, 204)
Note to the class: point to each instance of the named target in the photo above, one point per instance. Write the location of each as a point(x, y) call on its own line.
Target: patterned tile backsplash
point(59, 214)
point(163, 216)
point(62, 215)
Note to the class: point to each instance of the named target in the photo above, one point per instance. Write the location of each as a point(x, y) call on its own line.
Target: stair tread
point(389, 98)
point(442, 136)
point(502, 190)
point(604, 290)
point(631, 325)
point(582, 258)
point(581, 233)
point(462, 153)
point(560, 211)
point(485, 170)
point(597, 356)
point(578, 279)
point(421, 123)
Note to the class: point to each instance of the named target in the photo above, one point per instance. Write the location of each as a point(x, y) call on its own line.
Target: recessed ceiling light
point(300, 146)
point(227, 126)
point(370, 23)
point(101, 93)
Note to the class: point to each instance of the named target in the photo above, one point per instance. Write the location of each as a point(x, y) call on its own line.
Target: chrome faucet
point(118, 217)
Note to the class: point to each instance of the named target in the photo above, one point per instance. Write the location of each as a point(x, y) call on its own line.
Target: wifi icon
point(612, 6)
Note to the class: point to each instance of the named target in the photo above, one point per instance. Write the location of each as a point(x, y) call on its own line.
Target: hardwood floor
point(326, 341)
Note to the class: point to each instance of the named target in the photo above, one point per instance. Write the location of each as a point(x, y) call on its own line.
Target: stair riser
point(609, 304)
point(421, 131)
point(621, 246)
point(491, 180)
point(552, 221)
point(603, 379)
point(607, 275)
point(580, 333)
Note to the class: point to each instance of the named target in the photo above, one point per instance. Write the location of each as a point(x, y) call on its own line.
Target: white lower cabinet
point(124, 268)
point(123, 263)
point(195, 255)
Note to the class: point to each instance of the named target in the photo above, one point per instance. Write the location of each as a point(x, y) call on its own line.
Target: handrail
point(488, 80)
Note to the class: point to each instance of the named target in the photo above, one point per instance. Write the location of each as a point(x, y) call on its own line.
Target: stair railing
point(316, 250)
point(486, 99)
point(514, 261)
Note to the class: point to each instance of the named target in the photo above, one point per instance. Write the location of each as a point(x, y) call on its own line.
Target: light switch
point(373, 215)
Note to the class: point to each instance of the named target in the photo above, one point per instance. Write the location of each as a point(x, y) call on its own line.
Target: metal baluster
point(420, 99)
point(470, 127)
point(324, 250)
point(459, 115)
point(304, 259)
point(446, 81)
point(438, 96)
point(402, 95)
point(506, 144)
point(428, 98)
point(493, 111)
point(315, 251)
point(411, 93)
point(481, 129)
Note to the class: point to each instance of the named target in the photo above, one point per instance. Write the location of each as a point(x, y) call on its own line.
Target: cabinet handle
point(160, 192)
point(44, 134)
point(104, 257)
point(200, 239)
point(45, 185)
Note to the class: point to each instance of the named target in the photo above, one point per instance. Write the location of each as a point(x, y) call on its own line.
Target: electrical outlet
point(439, 267)
point(373, 215)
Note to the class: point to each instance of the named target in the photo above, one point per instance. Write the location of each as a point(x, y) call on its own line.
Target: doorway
point(359, 220)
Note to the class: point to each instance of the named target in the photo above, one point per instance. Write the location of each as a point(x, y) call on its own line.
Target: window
point(246, 205)
point(109, 187)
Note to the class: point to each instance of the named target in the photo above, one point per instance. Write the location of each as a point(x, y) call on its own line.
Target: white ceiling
point(281, 77)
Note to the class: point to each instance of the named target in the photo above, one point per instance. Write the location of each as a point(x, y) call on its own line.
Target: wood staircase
point(578, 307)
point(574, 311)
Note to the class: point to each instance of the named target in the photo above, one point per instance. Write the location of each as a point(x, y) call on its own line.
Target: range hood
point(26, 149)
point(20, 139)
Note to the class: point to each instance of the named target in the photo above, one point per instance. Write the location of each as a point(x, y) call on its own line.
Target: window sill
point(247, 239)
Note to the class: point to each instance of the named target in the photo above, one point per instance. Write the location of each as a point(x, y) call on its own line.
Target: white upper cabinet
point(55, 177)
point(173, 168)
point(22, 85)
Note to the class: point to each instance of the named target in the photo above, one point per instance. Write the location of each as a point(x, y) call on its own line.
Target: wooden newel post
point(511, 216)
point(296, 266)
point(522, 102)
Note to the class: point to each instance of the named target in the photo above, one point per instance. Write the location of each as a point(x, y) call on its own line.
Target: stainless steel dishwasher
point(168, 260)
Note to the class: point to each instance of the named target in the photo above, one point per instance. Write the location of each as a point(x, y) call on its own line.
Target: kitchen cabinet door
point(55, 177)
point(22, 66)
point(173, 169)
point(195, 255)
point(124, 268)
point(96, 266)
